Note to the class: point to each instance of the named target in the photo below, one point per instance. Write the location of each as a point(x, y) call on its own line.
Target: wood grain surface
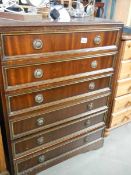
point(127, 50)
point(125, 71)
point(2, 156)
point(124, 87)
point(55, 42)
point(122, 102)
point(64, 111)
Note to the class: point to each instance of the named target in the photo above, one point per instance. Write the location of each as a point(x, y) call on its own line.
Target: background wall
point(119, 10)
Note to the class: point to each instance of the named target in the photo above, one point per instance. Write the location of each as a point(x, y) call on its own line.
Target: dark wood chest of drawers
point(57, 83)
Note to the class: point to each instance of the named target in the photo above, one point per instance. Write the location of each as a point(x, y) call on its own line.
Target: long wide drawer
point(121, 117)
point(32, 124)
point(39, 98)
point(122, 103)
point(39, 73)
point(125, 71)
point(123, 87)
point(48, 155)
point(56, 135)
point(53, 42)
point(82, 149)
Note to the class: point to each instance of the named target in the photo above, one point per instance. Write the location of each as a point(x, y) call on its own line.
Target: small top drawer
point(127, 50)
point(53, 42)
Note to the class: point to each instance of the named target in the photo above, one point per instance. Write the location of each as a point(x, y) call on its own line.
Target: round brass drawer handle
point(86, 139)
point(40, 121)
point(128, 104)
point(88, 122)
point(94, 64)
point(129, 89)
point(41, 159)
point(38, 73)
point(97, 40)
point(91, 85)
point(90, 106)
point(40, 140)
point(39, 98)
point(37, 44)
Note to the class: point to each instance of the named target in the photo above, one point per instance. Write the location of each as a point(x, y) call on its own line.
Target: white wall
point(123, 11)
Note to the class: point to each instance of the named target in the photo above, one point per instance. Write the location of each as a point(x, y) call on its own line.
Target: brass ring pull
point(97, 40)
point(37, 44)
point(90, 106)
point(125, 118)
point(129, 89)
point(41, 159)
point(40, 121)
point(86, 139)
point(94, 64)
point(38, 73)
point(39, 98)
point(88, 123)
point(91, 85)
point(40, 140)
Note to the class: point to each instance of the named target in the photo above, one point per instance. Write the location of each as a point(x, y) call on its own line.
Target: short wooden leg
point(107, 132)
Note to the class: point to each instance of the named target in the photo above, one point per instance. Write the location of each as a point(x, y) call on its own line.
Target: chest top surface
point(48, 22)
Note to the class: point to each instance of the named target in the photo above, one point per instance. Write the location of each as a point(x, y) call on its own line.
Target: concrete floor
point(113, 159)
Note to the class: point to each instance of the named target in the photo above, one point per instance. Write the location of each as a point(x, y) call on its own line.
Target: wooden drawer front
point(124, 87)
point(34, 99)
point(41, 72)
point(125, 71)
point(121, 117)
point(56, 135)
point(42, 43)
point(122, 103)
point(127, 50)
point(44, 157)
point(80, 150)
point(32, 124)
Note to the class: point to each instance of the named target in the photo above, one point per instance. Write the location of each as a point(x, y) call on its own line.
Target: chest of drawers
point(56, 89)
point(122, 102)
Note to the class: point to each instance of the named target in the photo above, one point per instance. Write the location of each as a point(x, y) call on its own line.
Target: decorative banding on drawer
point(121, 118)
point(123, 87)
point(32, 124)
point(127, 50)
point(34, 100)
point(48, 155)
point(53, 42)
point(82, 149)
point(125, 71)
point(16, 76)
point(122, 103)
point(56, 135)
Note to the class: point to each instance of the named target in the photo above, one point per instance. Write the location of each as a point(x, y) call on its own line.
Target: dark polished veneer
point(57, 82)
